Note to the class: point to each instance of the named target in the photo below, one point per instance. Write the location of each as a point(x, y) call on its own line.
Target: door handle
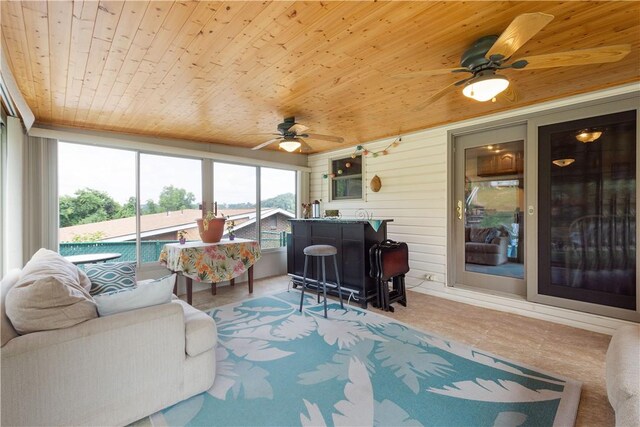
point(459, 209)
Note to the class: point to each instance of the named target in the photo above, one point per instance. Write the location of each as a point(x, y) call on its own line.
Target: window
point(277, 206)
point(347, 178)
point(98, 207)
point(234, 189)
point(96, 188)
point(170, 195)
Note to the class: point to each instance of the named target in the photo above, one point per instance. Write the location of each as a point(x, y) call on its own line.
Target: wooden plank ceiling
point(217, 72)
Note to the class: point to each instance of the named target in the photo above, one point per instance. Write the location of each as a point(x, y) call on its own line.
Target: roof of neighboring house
point(251, 219)
point(152, 224)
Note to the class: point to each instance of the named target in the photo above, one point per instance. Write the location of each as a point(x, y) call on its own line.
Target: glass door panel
point(587, 196)
point(493, 206)
point(489, 206)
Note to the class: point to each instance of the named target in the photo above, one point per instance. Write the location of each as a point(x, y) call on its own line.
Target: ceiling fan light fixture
point(290, 145)
point(586, 136)
point(563, 162)
point(485, 86)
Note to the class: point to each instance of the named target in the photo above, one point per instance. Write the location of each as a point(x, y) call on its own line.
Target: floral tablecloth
point(211, 262)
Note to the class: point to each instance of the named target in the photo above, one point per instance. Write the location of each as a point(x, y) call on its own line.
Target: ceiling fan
point(292, 136)
point(490, 54)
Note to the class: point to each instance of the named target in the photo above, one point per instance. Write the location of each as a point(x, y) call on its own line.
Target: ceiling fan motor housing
point(474, 57)
point(285, 125)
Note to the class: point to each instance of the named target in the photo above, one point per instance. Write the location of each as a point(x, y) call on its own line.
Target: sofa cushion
point(7, 333)
point(51, 293)
point(200, 330)
point(483, 248)
point(479, 235)
point(113, 276)
point(623, 373)
point(145, 294)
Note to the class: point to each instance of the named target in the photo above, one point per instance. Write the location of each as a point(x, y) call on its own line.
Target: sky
point(113, 171)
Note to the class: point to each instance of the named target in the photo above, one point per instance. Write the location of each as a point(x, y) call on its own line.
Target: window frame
point(362, 175)
point(296, 201)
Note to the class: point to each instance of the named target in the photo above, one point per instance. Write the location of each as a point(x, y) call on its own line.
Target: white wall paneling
point(413, 194)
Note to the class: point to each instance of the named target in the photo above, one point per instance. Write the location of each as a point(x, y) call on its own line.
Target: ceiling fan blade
point(521, 29)
point(427, 73)
point(318, 136)
point(439, 94)
point(298, 128)
point(264, 144)
point(596, 55)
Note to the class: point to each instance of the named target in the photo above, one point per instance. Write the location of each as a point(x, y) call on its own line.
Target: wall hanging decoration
point(332, 213)
point(360, 149)
point(375, 184)
point(364, 214)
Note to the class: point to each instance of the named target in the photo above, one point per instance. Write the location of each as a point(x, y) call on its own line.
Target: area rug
point(279, 367)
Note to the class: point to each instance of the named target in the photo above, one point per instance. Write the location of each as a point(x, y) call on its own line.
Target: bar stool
point(321, 251)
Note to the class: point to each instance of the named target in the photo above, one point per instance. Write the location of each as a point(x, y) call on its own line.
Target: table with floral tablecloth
point(211, 262)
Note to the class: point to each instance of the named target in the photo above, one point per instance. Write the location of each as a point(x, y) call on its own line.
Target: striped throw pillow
point(109, 277)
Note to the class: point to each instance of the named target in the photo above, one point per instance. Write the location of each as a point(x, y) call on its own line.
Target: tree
point(67, 215)
point(128, 209)
point(286, 201)
point(175, 199)
point(88, 237)
point(150, 207)
point(86, 206)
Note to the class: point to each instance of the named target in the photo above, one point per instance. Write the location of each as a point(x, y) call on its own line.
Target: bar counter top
point(340, 220)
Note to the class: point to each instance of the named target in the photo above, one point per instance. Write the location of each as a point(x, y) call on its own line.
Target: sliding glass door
point(587, 210)
point(489, 206)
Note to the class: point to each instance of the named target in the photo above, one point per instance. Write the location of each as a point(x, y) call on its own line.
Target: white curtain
point(40, 195)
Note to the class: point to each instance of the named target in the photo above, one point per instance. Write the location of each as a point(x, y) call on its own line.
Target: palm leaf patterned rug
point(279, 367)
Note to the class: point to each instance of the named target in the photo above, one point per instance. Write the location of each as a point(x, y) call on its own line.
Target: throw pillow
point(144, 294)
point(51, 293)
point(109, 277)
point(492, 234)
point(478, 235)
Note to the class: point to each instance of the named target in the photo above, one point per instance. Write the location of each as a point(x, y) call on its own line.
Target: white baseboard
point(518, 305)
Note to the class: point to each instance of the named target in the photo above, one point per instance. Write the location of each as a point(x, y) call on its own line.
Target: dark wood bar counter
point(352, 238)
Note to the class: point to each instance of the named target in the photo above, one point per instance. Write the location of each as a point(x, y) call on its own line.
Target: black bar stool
point(321, 251)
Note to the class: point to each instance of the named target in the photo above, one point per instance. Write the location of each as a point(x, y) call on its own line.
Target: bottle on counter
point(316, 209)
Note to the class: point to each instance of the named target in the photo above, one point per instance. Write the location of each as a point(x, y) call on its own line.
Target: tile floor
point(564, 350)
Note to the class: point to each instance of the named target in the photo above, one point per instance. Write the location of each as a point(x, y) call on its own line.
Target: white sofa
point(110, 370)
point(623, 375)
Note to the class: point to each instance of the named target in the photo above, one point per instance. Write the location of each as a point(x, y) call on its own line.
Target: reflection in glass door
point(493, 205)
point(489, 210)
